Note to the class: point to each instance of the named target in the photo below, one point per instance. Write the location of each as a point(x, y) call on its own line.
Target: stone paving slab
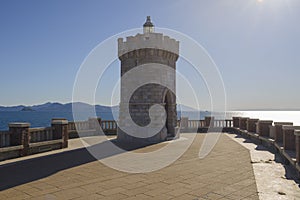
point(274, 179)
point(226, 173)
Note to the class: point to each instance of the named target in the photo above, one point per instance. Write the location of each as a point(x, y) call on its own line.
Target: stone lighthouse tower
point(157, 50)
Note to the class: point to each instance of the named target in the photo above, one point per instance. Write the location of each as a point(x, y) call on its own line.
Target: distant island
point(27, 109)
point(57, 107)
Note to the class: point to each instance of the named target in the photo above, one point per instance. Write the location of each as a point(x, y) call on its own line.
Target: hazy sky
point(255, 44)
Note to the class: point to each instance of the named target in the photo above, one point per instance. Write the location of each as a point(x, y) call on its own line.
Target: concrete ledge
point(289, 127)
point(19, 125)
point(253, 119)
point(265, 121)
point(283, 123)
point(10, 152)
point(37, 147)
point(298, 169)
point(288, 156)
point(59, 121)
point(268, 140)
point(88, 133)
point(12, 148)
point(45, 146)
point(279, 146)
point(39, 129)
point(49, 142)
point(253, 136)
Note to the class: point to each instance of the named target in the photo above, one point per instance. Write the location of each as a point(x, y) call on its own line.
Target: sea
point(43, 118)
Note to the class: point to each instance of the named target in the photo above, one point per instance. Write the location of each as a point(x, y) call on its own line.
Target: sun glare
point(259, 1)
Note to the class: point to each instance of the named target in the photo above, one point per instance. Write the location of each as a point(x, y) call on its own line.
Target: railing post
point(263, 127)
point(60, 131)
point(236, 122)
point(99, 125)
point(201, 123)
point(272, 131)
point(184, 122)
point(297, 135)
point(251, 125)
point(19, 135)
point(209, 121)
point(278, 130)
point(92, 124)
point(243, 123)
point(95, 123)
point(289, 137)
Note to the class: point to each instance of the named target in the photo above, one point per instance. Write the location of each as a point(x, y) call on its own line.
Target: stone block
point(262, 127)
point(278, 130)
point(289, 137)
point(19, 135)
point(251, 125)
point(243, 123)
point(297, 145)
point(236, 122)
point(60, 131)
point(272, 131)
point(209, 121)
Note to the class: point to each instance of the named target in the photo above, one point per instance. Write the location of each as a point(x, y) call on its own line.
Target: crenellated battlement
point(147, 40)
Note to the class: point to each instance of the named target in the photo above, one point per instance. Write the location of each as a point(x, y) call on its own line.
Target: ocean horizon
point(43, 118)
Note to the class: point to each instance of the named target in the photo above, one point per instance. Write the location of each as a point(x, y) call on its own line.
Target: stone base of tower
point(175, 135)
point(159, 137)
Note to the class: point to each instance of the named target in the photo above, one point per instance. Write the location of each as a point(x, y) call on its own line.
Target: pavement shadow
point(246, 140)
point(21, 172)
point(290, 172)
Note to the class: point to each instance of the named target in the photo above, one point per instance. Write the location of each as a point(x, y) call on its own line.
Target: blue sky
point(255, 45)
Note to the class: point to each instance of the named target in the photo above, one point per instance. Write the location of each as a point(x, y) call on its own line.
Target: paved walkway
point(226, 173)
point(274, 179)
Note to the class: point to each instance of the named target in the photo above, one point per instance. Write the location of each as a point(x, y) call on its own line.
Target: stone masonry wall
point(147, 95)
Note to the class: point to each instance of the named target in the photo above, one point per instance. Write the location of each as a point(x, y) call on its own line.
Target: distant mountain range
point(57, 107)
point(79, 106)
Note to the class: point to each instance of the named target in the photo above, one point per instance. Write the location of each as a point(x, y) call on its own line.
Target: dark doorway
point(169, 121)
